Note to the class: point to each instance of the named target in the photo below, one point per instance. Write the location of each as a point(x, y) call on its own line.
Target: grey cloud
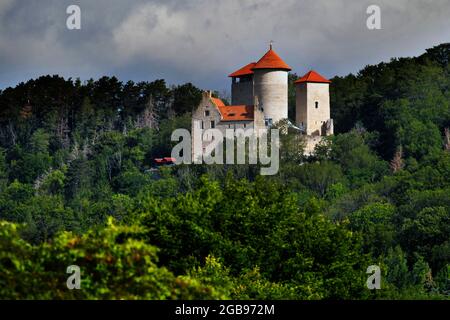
point(204, 40)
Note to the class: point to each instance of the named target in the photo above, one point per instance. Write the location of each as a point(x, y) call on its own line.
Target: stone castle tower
point(265, 80)
point(312, 93)
point(271, 86)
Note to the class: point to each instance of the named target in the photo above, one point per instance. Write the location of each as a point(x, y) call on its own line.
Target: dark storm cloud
point(203, 40)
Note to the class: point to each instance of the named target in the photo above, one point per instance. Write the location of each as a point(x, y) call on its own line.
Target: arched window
point(317, 104)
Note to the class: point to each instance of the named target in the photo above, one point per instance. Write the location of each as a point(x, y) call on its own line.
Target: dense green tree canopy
point(78, 186)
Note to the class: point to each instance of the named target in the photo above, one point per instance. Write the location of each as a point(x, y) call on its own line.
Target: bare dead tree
point(125, 130)
point(75, 153)
point(39, 181)
point(86, 151)
point(171, 107)
point(95, 136)
point(62, 128)
point(148, 118)
point(397, 163)
point(447, 139)
point(113, 162)
point(12, 133)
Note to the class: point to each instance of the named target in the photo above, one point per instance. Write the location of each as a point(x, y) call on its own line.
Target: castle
point(260, 99)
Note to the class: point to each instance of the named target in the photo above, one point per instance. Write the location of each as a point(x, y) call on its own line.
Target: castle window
point(207, 113)
point(201, 125)
point(268, 122)
point(317, 104)
point(213, 124)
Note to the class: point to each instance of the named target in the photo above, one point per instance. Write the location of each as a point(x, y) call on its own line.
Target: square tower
point(313, 105)
point(242, 85)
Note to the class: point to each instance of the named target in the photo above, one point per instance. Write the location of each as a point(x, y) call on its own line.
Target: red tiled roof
point(218, 102)
point(271, 60)
point(165, 160)
point(234, 113)
point(244, 71)
point(237, 113)
point(312, 76)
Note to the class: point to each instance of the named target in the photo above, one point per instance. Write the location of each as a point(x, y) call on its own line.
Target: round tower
point(270, 86)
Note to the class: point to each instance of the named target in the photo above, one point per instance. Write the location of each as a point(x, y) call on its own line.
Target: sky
point(202, 41)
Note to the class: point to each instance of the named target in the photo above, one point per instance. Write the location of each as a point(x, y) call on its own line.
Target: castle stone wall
point(301, 114)
point(317, 117)
point(313, 107)
point(242, 92)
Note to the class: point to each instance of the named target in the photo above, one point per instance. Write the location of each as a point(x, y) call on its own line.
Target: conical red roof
point(312, 76)
point(244, 71)
point(271, 60)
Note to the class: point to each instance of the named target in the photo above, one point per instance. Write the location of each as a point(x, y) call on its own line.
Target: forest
point(77, 187)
